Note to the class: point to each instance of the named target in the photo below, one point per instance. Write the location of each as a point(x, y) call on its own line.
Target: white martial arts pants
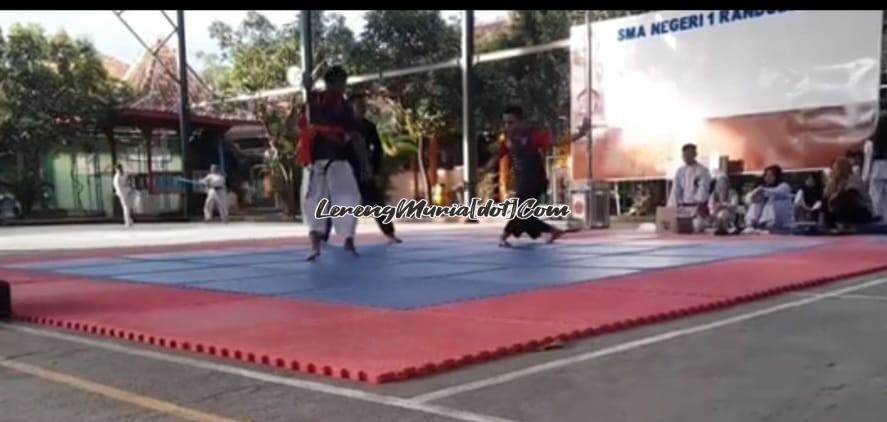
point(878, 188)
point(215, 199)
point(334, 181)
point(125, 198)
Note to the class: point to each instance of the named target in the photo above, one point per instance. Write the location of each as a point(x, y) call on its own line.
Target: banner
point(793, 88)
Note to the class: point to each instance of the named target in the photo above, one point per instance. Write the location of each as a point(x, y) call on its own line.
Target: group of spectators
point(848, 197)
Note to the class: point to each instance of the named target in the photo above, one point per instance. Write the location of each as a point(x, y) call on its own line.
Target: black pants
point(533, 227)
point(847, 208)
point(370, 194)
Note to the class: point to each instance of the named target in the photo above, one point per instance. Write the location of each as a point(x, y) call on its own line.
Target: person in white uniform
point(724, 206)
point(875, 168)
point(124, 193)
point(329, 137)
point(689, 192)
point(771, 205)
point(216, 197)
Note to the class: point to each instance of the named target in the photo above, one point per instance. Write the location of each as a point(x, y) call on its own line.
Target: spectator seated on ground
point(857, 161)
point(642, 202)
point(847, 205)
point(808, 200)
point(770, 204)
point(724, 206)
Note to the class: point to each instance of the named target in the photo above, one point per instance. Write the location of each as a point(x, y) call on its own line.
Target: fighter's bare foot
point(392, 239)
point(349, 246)
point(555, 235)
point(503, 241)
point(315, 247)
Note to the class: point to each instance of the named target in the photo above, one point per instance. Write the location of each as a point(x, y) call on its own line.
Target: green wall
point(94, 172)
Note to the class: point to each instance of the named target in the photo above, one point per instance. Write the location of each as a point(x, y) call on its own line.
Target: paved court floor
point(813, 355)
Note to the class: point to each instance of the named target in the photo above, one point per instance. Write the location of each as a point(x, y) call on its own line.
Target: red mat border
point(318, 368)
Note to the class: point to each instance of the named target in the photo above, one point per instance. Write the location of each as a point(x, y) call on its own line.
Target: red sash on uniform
point(306, 140)
point(308, 133)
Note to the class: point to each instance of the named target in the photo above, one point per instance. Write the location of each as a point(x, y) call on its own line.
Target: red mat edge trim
point(314, 368)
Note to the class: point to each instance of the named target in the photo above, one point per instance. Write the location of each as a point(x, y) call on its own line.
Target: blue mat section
point(646, 262)
point(546, 276)
point(269, 285)
point(132, 267)
point(410, 294)
point(179, 256)
point(603, 249)
point(197, 275)
point(427, 271)
point(66, 264)
point(516, 259)
point(258, 258)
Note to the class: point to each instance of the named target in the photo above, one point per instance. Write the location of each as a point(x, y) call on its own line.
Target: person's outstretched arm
point(584, 129)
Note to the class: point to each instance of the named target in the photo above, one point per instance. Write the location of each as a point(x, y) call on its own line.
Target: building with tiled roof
point(115, 67)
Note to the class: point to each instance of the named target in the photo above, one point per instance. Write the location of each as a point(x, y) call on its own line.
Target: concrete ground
point(817, 355)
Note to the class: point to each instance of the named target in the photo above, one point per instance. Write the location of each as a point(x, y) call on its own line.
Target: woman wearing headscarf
point(770, 204)
point(724, 206)
point(847, 202)
point(808, 200)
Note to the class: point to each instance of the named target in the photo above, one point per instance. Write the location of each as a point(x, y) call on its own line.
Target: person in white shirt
point(724, 206)
point(123, 192)
point(771, 205)
point(216, 197)
point(874, 171)
point(690, 190)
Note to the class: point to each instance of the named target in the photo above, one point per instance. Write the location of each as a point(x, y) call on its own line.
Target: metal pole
point(469, 143)
point(307, 46)
point(307, 49)
point(588, 92)
point(184, 112)
point(385, 74)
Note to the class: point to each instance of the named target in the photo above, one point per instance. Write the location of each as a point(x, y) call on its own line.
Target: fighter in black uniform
point(370, 191)
point(525, 144)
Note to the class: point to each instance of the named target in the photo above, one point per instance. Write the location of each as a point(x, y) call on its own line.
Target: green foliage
point(255, 55)
point(418, 106)
point(52, 90)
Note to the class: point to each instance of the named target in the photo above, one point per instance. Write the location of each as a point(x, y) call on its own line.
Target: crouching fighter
point(525, 143)
point(328, 139)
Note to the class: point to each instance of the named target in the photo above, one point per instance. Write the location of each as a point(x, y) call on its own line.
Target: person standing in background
point(124, 193)
point(875, 167)
point(216, 197)
point(689, 192)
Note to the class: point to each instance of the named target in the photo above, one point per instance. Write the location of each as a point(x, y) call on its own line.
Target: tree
point(279, 121)
point(407, 126)
point(257, 53)
point(255, 56)
point(425, 104)
point(53, 91)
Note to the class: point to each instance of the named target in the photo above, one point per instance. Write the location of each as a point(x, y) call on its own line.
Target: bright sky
point(111, 37)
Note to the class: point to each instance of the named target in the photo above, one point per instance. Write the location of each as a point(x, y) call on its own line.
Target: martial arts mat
point(436, 302)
